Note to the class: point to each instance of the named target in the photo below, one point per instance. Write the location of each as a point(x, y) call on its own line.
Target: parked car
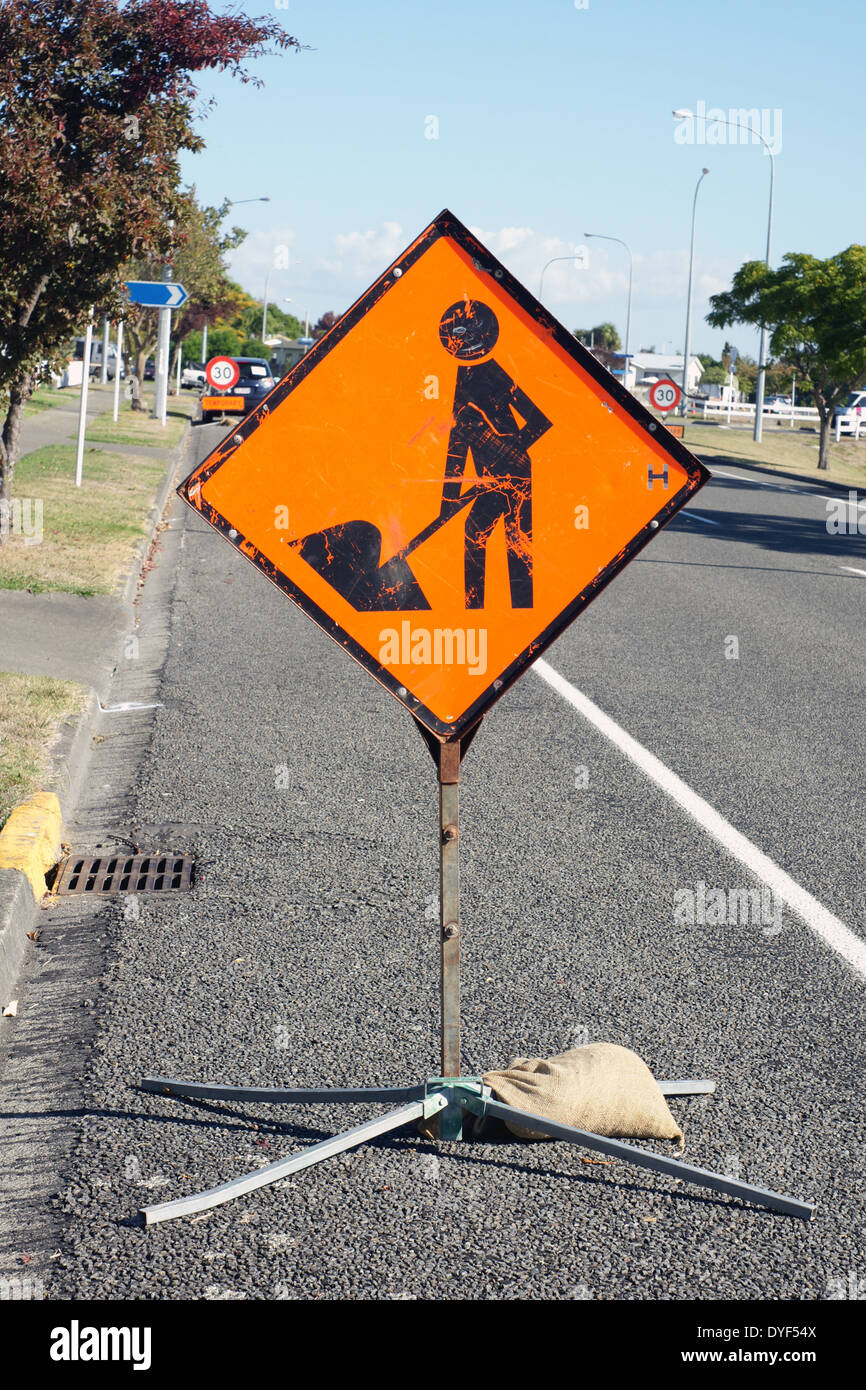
point(193, 374)
point(847, 417)
point(253, 385)
point(96, 359)
point(149, 369)
point(778, 405)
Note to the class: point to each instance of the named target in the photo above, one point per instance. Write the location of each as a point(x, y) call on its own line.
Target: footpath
point(70, 567)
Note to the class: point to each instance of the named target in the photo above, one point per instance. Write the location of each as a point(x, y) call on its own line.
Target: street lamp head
point(682, 113)
point(705, 171)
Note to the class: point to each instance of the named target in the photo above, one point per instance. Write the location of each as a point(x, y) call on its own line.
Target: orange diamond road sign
point(445, 480)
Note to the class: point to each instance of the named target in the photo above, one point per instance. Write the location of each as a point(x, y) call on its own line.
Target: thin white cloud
point(265, 253)
point(334, 275)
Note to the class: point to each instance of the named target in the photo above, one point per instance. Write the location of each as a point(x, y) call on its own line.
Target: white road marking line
point(851, 570)
point(756, 482)
point(831, 929)
point(779, 487)
point(696, 516)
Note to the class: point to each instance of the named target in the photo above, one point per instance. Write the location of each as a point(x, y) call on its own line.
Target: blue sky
point(553, 121)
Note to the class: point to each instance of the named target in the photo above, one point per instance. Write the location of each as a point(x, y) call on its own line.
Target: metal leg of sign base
point(447, 1098)
point(284, 1167)
point(642, 1158)
point(345, 1095)
point(687, 1088)
point(277, 1095)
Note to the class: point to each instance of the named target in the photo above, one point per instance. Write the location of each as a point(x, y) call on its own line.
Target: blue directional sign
point(156, 294)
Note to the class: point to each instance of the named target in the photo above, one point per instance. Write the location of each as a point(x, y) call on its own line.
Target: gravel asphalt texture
point(307, 953)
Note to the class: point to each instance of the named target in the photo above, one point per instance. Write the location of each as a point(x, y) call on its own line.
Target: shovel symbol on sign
point(349, 557)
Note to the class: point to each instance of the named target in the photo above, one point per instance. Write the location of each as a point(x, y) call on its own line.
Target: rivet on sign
point(497, 274)
point(497, 685)
point(233, 533)
point(237, 439)
point(397, 273)
point(652, 426)
point(401, 691)
point(654, 525)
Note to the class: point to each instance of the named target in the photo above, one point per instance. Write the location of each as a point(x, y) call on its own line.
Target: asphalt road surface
point(308, 953)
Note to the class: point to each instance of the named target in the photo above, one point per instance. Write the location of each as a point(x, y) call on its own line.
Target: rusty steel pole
point(449, 903)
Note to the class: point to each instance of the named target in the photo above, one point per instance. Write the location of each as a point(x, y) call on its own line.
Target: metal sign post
point(165, 295)
point(82, 403)
point(163, 341)
point(118, 366)
point(106, 339)
point(446, 357)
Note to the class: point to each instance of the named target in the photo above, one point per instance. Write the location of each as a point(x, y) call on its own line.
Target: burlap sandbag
point(603, 1088)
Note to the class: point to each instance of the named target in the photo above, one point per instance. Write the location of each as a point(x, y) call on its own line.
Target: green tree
point(199, 264)
point(714, 375)
point(815, 312)
point(96, 101)
point(223, 342)
point(281, 322)
point(604, 335)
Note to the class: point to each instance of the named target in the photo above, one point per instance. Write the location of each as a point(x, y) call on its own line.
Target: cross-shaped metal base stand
point(448, 1097)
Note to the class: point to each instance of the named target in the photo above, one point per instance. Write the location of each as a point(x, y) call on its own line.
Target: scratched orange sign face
point(445, 480)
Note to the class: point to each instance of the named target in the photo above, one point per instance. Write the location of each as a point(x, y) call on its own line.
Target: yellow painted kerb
point(30, 839)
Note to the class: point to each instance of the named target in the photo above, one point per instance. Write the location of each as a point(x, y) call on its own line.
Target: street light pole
point(234, 203)
point(599, 236)
point(686, 347)
point(683, 113)
point(762, 351)
point(552, 261)
point(265, 307)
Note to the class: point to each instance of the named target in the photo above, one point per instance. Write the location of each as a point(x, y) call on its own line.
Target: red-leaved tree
point(96, 104)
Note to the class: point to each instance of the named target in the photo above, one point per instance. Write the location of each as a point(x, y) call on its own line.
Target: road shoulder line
point(831, 929)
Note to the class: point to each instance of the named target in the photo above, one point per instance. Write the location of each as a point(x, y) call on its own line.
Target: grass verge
point(789, 451)
point(45, 398)
point(137, 427)
point(32, 709)
point(80, 539)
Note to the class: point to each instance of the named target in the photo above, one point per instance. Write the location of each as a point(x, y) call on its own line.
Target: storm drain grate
point(125, 873)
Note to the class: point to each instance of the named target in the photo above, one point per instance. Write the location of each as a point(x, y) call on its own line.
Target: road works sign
point(445, 480)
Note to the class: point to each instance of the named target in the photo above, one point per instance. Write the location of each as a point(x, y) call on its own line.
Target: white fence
point(743, 410)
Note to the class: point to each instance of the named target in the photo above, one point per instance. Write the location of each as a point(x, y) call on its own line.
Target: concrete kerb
point(69, 757)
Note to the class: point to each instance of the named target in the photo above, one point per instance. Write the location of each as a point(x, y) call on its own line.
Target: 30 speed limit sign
point(665, 395)
point(222, 373)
